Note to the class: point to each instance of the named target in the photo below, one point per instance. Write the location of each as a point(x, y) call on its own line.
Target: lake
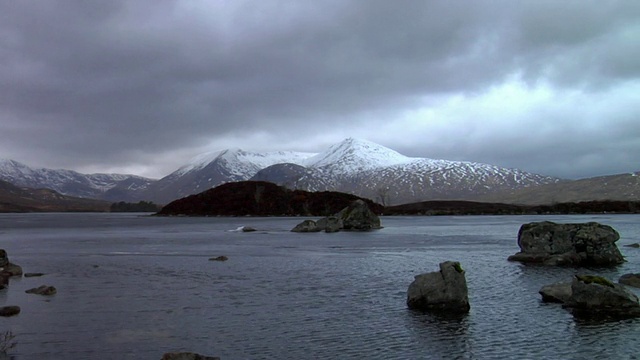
point(135, 287)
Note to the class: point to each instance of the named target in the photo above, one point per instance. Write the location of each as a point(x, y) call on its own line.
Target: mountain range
point(355, 166)
point(17, 199)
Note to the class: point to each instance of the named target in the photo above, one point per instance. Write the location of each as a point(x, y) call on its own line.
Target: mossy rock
point(594, 279)
point(458, 268)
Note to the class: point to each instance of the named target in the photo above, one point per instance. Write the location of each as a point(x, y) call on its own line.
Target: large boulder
point(6, 267)
point(444, 290)
point(581, 244)
point(594, 295)
point(358, 216)
point(630, 280)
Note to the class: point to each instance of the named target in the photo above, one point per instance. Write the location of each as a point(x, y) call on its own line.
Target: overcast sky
point(551, 87)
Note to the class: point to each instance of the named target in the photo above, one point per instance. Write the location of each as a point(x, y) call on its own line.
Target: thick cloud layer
point(141, 86)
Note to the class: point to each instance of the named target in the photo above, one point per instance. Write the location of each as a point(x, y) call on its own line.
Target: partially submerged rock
point(357, 216)
point(306, 226)
point(4, 280)
point(9, 310)
point(330, 224)
point(187, 356)
point(444, 290)
point(43, 290)
point(634, 245)
point(557, 293)
point(248, 229)
point(219, 258)
point(6, 267)
point(582, 244)
point(594, 295)
point(37, 274)
point(630, 280)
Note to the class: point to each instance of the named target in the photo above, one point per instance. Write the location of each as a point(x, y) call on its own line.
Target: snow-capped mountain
point(212, 169)
point(373, 171)
point(112, 187)
point(354, 166)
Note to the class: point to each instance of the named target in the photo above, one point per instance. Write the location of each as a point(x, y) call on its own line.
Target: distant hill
point(621, 187)
point(480, 208)
point(109, 187)
point(18, 199)
point(259, 198)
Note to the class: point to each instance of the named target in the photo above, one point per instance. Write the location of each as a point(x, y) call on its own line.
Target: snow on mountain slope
point(215, 168)
point(240, 162)
point(370, 170)
point(354, 166)
point(353, 155)
point(68, 182)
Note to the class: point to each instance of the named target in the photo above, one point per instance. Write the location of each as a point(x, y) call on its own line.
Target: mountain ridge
point(354, 166)
point(68, 182)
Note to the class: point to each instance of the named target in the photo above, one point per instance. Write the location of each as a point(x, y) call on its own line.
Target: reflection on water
point(133, 287)
point(442, 336)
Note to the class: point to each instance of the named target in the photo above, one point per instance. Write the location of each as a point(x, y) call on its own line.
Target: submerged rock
point(219, 258)
point(27, 275)
point(187, 356)
point(444, 290)
point(630, 280)
point(9, 310)
point(583, 244)
point(43, 290)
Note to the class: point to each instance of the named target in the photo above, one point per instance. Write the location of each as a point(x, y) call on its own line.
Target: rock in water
point(358, 216)
point(630, 280)
point(583, 244)
point(187, 356)
point(4, 280)
point(557, 293)
point(445, 290)
point(43, 290)
point(595, 295)
point(7, 267)
point(9, 310)
point(219, 258)
point(330, 224)
point(306, 226)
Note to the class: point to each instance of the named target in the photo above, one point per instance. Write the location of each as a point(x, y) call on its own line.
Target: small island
point(261, 198)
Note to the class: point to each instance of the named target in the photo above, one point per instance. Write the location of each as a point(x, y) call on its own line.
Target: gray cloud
point(140, 85)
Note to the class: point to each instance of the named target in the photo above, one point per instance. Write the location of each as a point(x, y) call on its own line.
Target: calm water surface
point(134, 287)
